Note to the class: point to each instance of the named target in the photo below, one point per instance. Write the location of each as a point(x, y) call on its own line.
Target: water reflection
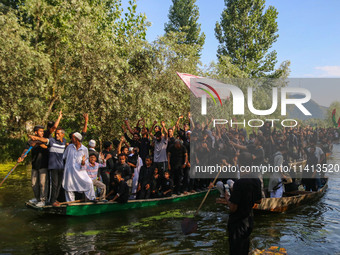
point(310, 229)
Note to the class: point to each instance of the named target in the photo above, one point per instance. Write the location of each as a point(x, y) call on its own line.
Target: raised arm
point(86, 121)
point(119, 149)
point(56, 123)
point(164, 129)
point(137, 125)
point(127, 124)
point(151, 130)
point(177, 122)
point(127, 138)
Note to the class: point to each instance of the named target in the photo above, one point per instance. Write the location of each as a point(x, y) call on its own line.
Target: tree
point(23, 75)
point(246, 33)
point(183, 17)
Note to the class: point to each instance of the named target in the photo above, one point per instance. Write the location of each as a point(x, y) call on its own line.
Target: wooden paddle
point(189, 225)
point(23, 156)
point(71, 202)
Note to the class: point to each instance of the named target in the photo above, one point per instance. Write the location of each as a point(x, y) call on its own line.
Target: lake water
point(310, 229)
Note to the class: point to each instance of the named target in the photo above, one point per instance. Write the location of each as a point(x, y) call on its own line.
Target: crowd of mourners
point(146, 163)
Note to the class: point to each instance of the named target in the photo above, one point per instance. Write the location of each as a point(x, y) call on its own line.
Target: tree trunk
point(47, 114)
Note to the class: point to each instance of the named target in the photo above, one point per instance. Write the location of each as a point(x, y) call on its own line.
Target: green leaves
point(183, 17)
point(246, 33)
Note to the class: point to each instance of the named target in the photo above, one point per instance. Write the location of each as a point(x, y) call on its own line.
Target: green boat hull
point(90, 208)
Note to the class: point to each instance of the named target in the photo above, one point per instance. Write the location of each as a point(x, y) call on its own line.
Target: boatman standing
point(76, 179)
point(246, 192)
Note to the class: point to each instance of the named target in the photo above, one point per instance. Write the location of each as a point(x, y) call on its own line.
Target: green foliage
point(24, 73)
point(91, 56)
point(183, 17)
point(246, 33)
point(11, 148)
point(88, 56)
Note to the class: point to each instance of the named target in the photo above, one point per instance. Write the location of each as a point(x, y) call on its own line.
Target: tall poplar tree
point(183, 17)
point(246, 33)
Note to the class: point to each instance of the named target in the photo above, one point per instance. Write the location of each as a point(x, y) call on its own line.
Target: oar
point(71, 202)
point(189, 225)
point(15, 166)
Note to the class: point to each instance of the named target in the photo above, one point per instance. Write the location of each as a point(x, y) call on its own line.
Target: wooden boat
point(283, 204)
point(291, 200)
point(89, 208)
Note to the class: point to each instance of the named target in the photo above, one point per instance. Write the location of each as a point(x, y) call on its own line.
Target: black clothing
point(171, 141)
point(145, 175)
point(258, 153)
point(240, 224)
point(125, 169)
point(39, 157)
point(57, 176)
point(132, 142)
point(239, 236)
point(166, 185)
point(144, 149)
point(177, 156)
point(106, 171)
point(182, 134)
point(155, 186)
point(121, 189)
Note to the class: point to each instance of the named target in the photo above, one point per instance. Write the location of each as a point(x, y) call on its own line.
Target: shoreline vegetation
point(93, 56)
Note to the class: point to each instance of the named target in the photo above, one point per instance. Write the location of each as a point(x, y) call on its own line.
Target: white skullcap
point(92, 143)
point(78, 136)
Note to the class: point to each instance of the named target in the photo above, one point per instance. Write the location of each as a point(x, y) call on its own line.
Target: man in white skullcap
point(76, 179)
point(92, 148)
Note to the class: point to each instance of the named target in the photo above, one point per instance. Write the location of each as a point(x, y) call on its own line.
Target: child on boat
point(167, 185)
point(120, 190)
point(91, 167)
point(155, 184)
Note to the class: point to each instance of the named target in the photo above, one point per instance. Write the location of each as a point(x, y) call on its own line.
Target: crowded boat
point(154, 162)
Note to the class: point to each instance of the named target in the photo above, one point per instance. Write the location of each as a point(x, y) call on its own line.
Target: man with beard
point(76, 179)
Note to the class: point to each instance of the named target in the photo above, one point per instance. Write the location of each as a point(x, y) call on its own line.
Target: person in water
point(245, 193)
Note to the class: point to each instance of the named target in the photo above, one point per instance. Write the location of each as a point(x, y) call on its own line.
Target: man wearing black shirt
point(39, 175)
point(145, 178)
point(177, 161)
point(123, 168)
point(106, 171)
point(120, 189)
point(145, 145)
point(246, 192)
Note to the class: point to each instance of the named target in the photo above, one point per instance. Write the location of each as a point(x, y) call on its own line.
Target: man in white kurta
point(76, 179)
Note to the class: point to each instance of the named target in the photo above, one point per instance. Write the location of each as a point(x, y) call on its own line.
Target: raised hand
point(101, 156)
